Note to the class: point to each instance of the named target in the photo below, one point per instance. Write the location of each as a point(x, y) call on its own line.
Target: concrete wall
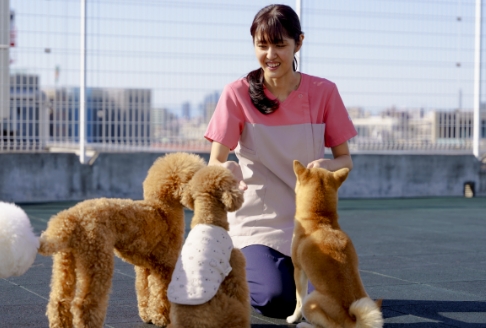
point(412, 176)
point(42, 177)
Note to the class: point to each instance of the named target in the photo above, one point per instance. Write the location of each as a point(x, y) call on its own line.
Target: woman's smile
point(273, 65)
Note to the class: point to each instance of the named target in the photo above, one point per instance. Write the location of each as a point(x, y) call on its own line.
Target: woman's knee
point(271, 282)
point(274, 303)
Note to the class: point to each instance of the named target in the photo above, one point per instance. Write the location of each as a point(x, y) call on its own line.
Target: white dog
point(18, 243)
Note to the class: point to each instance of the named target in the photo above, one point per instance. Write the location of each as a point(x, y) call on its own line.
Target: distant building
point(456, 125)
point(186, 111)
point(165, 125)
point(416, 129)
point(27, 112)
point(374, 129)
point(120, 116)
point(358, 112)
point(208, 106)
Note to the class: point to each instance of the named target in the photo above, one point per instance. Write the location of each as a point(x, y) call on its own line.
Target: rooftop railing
point(155, 70)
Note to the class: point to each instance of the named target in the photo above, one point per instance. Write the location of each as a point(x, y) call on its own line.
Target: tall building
point(25, 123)
point(417, 129)
point(208, 105)
point(113, 116)
point(186, 110)
point(165, 125)
point(456, 125)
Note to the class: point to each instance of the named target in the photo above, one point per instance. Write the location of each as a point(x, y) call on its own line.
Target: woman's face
point(276, 59)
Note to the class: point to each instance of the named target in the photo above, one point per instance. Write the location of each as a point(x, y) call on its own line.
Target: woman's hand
point(219, 156)
point(342, 159)
point(322, 163)
point(235, 168)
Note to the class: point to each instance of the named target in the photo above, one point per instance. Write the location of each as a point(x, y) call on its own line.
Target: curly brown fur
point(147, 233)
point(212, 192)
point(324, 254)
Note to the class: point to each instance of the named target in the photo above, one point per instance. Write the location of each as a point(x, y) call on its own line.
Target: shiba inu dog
point(325, 255)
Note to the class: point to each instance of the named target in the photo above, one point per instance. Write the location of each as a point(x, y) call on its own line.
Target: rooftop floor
point(425, 257)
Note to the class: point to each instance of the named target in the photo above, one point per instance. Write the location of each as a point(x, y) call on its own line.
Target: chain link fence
point(155, 69)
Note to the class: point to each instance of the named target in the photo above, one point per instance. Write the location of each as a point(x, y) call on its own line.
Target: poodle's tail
point(57, 236)
point(367, 313)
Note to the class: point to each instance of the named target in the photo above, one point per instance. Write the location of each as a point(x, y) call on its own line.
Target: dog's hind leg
point(323, 311)
point(94, 273)
point(235, 285)
point(159, 306)
point(143, 292)
point(238, 309)
point(301, 284)
point(63, 286)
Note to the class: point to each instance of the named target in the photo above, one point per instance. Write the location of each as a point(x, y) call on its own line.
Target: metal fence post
point(298, 9)
point(477, 78)
point(4, 62)
point(82, 87)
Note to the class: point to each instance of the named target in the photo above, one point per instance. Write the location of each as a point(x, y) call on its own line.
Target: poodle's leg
point(143, 292)
point(236, 315)
point(235, 283)
point(63, 286)
point(94, 273)
point(159, 306)
point(235, 286)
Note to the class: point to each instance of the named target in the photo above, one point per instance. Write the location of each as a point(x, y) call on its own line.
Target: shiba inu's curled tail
point(367, 313)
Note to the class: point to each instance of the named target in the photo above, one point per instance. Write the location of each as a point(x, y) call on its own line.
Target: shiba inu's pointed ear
point(341, 175)
point(298, 168)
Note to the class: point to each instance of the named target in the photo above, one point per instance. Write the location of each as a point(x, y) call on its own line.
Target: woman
point(270, 118)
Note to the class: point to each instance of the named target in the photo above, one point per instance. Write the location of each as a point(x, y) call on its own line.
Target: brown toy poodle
point(220, 270)
point(148, 233)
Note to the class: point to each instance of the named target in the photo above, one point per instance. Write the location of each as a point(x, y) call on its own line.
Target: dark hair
point(272, 23)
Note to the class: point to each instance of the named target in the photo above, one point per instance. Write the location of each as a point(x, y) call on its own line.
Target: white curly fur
point(18, 243)
point(367, 313)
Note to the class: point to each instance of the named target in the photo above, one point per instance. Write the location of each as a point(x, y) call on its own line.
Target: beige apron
point(266, 155)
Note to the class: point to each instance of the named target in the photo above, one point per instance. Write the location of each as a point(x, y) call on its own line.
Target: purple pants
point(270, 276)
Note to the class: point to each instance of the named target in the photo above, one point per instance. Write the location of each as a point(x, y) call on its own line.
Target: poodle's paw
point(294, 317)
point(145, 318)
point(305, 325)
point(143, 312)
point(147, 321)
point(160, 321)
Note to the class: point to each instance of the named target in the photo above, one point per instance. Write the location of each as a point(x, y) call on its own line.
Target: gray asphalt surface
point(425, 257)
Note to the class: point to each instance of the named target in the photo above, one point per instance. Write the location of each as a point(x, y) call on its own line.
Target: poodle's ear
point(178, 192)
point(186, 198)
point(232, 199)
point(299, 169)
point(341, 175)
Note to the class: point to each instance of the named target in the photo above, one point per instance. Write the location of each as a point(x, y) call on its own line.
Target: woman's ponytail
point(257, 93)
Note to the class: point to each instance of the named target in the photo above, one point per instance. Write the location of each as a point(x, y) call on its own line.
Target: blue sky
point(380, 53)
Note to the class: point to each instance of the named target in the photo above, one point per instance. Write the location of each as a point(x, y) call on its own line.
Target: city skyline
point(379, 53)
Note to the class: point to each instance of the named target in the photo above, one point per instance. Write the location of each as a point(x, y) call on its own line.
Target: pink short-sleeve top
point(311, 118)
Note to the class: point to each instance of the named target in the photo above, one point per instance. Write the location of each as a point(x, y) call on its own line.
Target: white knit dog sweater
point(201, 266)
